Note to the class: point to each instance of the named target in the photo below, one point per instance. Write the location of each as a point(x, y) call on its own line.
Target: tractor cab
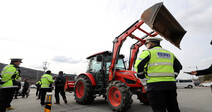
point(99, 64)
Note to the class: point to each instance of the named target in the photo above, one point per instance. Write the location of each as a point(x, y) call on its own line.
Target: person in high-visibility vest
point(46, 83)
point(38, 84)
point(9, 76)
point(160, 67)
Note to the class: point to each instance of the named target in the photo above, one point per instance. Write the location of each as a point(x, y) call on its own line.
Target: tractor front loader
point(107, 74)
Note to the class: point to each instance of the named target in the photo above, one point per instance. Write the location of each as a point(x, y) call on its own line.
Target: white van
point(183, 83)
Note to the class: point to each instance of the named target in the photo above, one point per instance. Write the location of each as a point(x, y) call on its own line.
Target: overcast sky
point(65, 32)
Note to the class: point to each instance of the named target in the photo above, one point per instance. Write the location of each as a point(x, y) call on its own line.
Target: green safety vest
point(160, 66)
point(7, 73)
point(46, 80)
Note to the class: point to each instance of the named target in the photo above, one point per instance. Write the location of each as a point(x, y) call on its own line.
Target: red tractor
point(70, 80)
point(107, 74)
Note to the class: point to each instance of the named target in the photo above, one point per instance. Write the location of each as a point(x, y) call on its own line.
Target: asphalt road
point(198, 99)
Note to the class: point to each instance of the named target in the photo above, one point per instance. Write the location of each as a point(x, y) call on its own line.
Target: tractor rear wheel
point(143, 98)
point(119, 96)
point(83, 90)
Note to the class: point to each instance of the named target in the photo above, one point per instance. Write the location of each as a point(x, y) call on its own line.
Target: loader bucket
point(161, 20)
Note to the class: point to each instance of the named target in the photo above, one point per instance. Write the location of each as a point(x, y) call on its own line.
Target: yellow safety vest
point(46, 80)
point(7, 74)
point(160, 66)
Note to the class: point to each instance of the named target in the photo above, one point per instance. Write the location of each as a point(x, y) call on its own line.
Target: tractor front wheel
point(83, 90)
point(119, 96)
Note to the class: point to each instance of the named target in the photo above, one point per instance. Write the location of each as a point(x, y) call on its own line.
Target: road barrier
point(48, 102)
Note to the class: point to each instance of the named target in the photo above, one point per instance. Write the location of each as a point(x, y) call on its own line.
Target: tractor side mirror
point(99, 58)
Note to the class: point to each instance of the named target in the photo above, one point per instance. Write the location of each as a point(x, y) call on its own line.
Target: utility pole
point(45, 66)
point(45, 63)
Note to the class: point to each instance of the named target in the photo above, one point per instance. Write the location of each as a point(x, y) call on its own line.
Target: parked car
point(33, 86)
point(182, 83)
point(207, 84)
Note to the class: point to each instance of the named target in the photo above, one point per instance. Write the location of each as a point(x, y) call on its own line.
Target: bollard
point(48, 102)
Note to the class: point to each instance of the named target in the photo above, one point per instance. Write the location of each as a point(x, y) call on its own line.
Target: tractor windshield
point(119, 66)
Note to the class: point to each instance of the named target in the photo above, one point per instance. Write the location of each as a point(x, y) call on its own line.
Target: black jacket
point(60, 80)
point(26, 85)
point(205, 71)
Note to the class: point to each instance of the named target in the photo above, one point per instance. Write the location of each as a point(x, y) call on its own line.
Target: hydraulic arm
point(160, 20)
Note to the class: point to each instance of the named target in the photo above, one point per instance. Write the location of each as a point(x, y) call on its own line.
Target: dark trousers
point(59, 89)
point(24, 92)
point(6, 96)
point(43, 94)
point(211, 87)
point(16, 92)
point(163, 101)
point(38, 93)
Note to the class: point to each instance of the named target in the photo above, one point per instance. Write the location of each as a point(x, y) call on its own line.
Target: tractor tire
point(143, 98)
point(83, 90)
point(119, 96)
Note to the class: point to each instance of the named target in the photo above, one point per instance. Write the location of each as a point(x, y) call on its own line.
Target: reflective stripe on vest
point(46, 84)
point(8, 73)
point(161, 74)
point(10, 87)
point(45, 87)
point(160, 63)
point(46, 78)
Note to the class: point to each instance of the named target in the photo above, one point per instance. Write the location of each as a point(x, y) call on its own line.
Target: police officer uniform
point(9, 76)
point(38, 93)
point(46, 82)
point(160, 67)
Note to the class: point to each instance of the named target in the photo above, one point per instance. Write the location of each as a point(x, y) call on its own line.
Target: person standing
point(206, 71)
point(202, 72)
point(9, 75)
point(17, 90)
point(46, 82)
point(59, 88)
point(38, 84)
point(160, 67)
point(25, 88)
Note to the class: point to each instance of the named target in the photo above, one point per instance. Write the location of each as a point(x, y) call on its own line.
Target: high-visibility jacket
point(160, 66)
point(8, 74)
point(46, 80)
point(38, 83)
